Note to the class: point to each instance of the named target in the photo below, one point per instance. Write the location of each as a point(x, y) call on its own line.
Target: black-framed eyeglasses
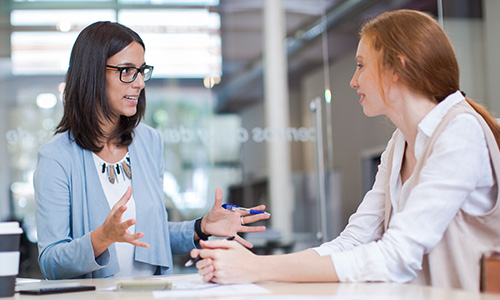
point(129, 74)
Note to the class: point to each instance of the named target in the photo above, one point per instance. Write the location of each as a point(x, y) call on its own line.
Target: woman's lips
point(362, 97)
point(131, 99)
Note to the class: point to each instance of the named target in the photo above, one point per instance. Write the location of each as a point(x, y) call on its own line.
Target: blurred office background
point(250, 96)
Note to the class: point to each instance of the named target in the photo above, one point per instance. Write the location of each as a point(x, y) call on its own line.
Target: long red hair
point(414, 46)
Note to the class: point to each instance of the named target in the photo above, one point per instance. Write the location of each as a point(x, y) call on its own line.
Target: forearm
point(182, 238)
point(304, 266)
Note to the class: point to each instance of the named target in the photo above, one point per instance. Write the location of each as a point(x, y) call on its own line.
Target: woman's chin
point(369, 113)
point(129, 114)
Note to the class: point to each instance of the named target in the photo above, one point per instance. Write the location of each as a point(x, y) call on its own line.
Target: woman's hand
point(114, 230)
point(226, 262)
point(223, 222)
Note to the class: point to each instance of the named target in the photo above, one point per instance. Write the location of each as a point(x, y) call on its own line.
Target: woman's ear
point(395, 75)
point(402, 60)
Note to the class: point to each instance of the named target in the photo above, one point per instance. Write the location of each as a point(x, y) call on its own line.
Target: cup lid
point(10, 228)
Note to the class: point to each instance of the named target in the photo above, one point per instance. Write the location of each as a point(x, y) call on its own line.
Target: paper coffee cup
point(10, 234)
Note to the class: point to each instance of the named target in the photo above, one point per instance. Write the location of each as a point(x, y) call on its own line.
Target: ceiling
point(338, 21)
point(242, 32)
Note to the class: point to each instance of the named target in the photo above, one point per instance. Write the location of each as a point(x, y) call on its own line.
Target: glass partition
point(208, 100)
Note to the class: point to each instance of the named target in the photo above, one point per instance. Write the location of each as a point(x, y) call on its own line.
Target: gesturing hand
point(114, 230)
point(223, 222)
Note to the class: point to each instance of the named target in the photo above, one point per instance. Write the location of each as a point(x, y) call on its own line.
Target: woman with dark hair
point(433, 209)
point(99, 180)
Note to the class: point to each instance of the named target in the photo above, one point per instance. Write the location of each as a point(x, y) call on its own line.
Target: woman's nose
point(354, 81)
point(139, 81)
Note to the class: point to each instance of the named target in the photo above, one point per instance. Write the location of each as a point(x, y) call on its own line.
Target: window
point(181, 43)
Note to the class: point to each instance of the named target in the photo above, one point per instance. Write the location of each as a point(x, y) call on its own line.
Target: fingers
point(218, 257)
point(119, 208)
point(252, 229)
point(139, 244)
point(117, 231)
point(134, 239)
point(120, 233)
point(138, 235)
point(130, 222)
point(259, 207)
point(124, 199)
point(254, 218)
point(207, 264)
point(116, 214)
point(216, 244)
point(206, 269)
point(243, 241)
point(218, 198)
point(194, 253)
point(123, 226)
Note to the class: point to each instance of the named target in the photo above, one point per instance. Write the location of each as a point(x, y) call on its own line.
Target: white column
point(276, 106)
point(491, 9)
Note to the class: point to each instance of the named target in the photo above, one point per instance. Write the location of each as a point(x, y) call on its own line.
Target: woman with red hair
point(433, 207)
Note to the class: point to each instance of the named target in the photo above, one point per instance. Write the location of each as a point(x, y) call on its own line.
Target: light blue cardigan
point(70, 203)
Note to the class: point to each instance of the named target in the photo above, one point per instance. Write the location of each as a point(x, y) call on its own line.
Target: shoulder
point(146, 138)
point(462, 117)
point(58, 157)
point(465, 125)
point(59, 146)
point(456, 120)
point(146, 132)
point(463, 136)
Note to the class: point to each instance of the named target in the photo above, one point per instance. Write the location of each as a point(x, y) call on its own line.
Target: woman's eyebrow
point(129, 64)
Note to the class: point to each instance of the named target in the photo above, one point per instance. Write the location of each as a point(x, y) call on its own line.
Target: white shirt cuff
point(357, 266)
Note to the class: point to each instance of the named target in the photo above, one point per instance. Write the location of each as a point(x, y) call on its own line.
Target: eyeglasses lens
point(130, 74)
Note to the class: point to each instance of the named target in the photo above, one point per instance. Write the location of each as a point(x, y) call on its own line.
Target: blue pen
point(248, 210)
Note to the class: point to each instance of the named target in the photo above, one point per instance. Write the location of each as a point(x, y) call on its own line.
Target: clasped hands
point(218, 222)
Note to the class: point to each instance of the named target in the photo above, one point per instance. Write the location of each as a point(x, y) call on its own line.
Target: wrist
point(99, 242)
point(96, 237)
point(264, 272)
point(198, 225)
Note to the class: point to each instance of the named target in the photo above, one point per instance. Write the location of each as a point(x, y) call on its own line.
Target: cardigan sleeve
point(60, 255)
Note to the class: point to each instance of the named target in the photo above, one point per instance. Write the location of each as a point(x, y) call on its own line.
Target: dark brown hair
point(85, 101)
point(414, 46)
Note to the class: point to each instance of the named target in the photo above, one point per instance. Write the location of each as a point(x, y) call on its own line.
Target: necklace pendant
point(126, 170)
point(111, 174)
point(113, 171)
